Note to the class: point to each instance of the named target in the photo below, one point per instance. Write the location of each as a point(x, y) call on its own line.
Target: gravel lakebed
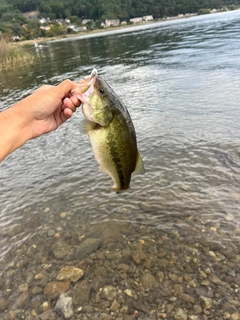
point(123, 270)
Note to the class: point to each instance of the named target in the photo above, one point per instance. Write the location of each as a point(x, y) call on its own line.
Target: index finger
point(66, 87)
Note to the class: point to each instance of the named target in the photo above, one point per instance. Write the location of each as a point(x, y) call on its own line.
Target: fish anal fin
point(139, 169)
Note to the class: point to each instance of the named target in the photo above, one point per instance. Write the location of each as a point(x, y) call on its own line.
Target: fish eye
point(101, 90)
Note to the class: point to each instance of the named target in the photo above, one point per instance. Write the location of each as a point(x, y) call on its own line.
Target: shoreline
point(96, 31)
point(77, 34)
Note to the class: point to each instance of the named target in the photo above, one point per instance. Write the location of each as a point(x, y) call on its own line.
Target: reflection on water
point(180, 81)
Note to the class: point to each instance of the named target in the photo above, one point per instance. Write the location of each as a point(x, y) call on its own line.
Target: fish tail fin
point(117, 190)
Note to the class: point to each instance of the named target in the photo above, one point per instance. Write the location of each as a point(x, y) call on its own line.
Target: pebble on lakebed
point(123, 271)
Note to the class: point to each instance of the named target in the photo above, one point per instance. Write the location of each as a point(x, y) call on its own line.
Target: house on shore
point(85, 21)
point(43, 20)
point(136, 20)
point(147, 18)
point(141, 19)
point(80, 29)
point(46, 28)
point(110, 23)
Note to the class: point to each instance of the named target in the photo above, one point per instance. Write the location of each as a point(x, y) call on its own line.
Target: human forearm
point(41, 112)
point(14, 130)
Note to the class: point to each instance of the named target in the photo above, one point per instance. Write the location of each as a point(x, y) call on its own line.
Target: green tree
point(45, 8)
point(203, 11)
point(58, 9)
point(11, 18)
point(67, 13)
point(74, 19)
point(55, 30)
point(156, 12)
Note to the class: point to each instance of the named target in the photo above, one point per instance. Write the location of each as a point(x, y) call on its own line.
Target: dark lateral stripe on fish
point(117, 161)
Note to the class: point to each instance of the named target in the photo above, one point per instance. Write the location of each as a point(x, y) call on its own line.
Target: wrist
point(21, 120)
point(14, 130)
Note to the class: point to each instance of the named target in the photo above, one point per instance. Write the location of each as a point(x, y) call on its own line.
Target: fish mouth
point(85, 87)
point(94, 73)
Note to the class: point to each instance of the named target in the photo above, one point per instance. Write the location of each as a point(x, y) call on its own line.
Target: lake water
point(180, 81)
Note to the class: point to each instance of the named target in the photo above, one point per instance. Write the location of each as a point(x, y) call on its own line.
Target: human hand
point(48, 107)
point(41, 112)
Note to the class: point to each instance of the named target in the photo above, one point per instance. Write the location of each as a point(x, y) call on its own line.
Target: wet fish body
point(110, 129)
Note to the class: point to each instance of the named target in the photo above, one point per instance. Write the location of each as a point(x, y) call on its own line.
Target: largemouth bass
point(110, 129)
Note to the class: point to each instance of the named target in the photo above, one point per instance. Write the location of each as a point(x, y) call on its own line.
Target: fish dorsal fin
point(139, 169)
point(87, 125)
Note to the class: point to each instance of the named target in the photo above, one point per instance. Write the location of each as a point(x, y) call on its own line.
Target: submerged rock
point(15, 230)
point(97, 283)
point(46, 305)
point(139, 306)
point(206, 302)
point(48, 315)
point(109, 292)
point(3, 304)
point(180, 314)
point(70, 274)
point(86, 247)
point(37, 301)
point(138, 255)
point(61, 249)
point(53, 289)
point(81, 292)
point(187, 298)
point(64, 306)
point(148, 281)
point(23, 300)
point(115, 306)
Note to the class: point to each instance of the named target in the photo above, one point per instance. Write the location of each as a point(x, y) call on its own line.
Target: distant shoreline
point(95, 31)
point(81, 33)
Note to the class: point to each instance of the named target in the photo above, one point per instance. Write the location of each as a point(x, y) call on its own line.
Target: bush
point(224, 8)
point(204, 11)
point(232, 7)
point(13, 55)
point(55, 30)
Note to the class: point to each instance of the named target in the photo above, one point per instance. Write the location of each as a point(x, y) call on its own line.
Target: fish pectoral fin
point(139, 169)
point(87, 125)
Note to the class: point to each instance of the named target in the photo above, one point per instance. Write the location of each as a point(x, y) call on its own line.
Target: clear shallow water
point(180, 80)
